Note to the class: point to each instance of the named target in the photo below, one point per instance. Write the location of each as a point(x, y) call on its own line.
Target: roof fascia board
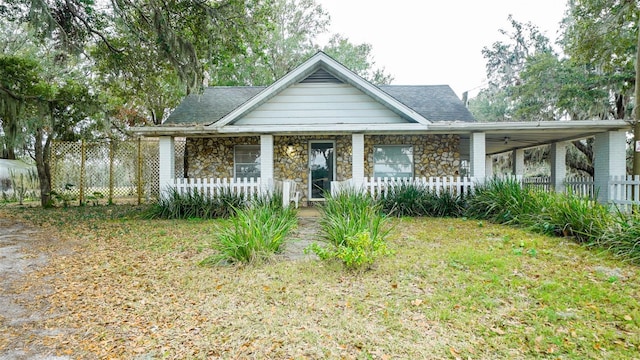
point(525, 125)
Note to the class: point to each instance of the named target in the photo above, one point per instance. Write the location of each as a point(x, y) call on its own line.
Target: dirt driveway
point(22, 308)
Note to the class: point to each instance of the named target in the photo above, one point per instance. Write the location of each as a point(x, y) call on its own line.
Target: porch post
point(357, 158)
point(558, 160)
point(609, 152)
point(517, 162)
point(167, 161)
point(266, 158)
point(477, 156)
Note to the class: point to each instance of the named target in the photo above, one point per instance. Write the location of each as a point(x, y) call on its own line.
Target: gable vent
point(321, 76)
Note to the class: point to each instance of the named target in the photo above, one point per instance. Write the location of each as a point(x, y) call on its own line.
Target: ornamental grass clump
point(622, 238)
point(353, 225)
point(254, 233)
point(192, 204)
point(406, 200)
point(583, 219)
point(413, 200)
point(503, 201)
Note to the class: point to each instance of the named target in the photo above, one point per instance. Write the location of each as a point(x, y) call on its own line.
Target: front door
point(322, 159)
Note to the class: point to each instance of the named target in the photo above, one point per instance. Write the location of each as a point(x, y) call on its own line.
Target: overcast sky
point(425, 42)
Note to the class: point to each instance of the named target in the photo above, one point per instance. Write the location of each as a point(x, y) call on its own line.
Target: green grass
point(453, 289)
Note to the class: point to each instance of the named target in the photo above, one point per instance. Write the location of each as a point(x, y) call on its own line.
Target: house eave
point(565, 130)
point(507, 127)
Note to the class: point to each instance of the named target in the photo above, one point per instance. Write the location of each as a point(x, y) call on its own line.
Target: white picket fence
point(536, 182)
point(378, 187)
point(580, 186)
point(215, 186)
point(624, 191)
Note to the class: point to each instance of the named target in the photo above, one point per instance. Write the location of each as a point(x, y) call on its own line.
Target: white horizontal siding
point(303, 104)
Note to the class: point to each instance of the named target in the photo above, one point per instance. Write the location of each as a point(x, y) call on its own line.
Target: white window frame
point(373, 167)
point(255, 148)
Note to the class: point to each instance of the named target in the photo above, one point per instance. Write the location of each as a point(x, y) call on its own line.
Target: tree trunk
point(42, 165)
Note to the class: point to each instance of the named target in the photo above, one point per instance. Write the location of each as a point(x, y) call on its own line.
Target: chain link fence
point(108, 170)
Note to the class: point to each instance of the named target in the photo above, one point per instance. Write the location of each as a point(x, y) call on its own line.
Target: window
point(246, 161)
point(393, 161)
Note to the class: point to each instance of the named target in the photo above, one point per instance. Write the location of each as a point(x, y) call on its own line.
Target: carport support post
point(609, 151)
point(167, 161)
point(558, 160)
point(478, 156)
point(357, 158)
point(266, 161)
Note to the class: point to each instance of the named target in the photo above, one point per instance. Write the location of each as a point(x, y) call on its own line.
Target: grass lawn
point(127, 288)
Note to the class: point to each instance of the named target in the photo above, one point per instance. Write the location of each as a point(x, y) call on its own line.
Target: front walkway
point(305, 235)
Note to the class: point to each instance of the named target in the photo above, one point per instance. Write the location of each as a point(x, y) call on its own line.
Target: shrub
point(503, 201)
point(583, 219)
point(405, 200)
point(255, 233)
point(622, 238)
point(417, 200)
point(193, 204)
point(446, 204)
point(354, 227)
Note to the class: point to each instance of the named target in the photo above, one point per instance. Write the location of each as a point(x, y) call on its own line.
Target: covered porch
point(312, 162)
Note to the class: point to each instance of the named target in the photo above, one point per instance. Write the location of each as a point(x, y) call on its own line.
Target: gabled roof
point(222, 105)
point(434, 102)
point(322, 61)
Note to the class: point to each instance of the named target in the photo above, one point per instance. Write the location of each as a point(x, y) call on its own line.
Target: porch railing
point(216, 186)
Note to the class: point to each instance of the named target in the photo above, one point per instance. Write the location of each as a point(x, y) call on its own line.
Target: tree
point(188, 35)
point(292, 38)
point(51, 103)
point(357, 58)
point(604, 34)
point(530, 82)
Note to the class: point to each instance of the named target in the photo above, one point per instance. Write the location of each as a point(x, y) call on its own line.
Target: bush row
point(583, 219)
point(354, 223)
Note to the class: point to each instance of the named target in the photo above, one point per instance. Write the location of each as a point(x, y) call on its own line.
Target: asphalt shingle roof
point(434, 102)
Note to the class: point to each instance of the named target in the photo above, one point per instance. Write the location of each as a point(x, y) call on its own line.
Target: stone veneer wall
point(293, 164)
point(433, 155)
point(213, 157)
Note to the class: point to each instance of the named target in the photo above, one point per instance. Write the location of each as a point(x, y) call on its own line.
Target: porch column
point(609, 152)
point(558, 160)
point(167, 160)
point(266, 158)
point(357, 158)
point(477, 156)
point(517, 162)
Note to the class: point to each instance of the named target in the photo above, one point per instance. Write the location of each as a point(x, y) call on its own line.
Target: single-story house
point(321, 123)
